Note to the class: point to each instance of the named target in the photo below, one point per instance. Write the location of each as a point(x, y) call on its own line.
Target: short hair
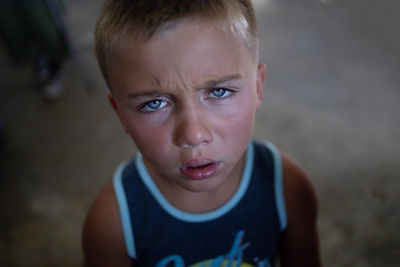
point(122, 20)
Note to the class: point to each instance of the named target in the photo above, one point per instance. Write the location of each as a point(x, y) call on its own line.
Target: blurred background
point(332, 101)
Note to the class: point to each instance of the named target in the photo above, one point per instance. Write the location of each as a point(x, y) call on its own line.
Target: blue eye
point(219, 92)
point(153, 105)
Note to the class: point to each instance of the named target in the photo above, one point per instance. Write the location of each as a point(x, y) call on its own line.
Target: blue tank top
point(244, 232)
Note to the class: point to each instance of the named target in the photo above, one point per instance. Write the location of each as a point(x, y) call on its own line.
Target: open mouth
point(199, 172)
point(200, 166)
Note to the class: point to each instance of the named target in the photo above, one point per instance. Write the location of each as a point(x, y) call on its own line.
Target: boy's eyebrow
point(206, 84)
point(140, 94)
point(214, 82)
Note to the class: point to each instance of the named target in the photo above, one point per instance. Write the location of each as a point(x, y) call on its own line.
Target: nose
point(192, 129)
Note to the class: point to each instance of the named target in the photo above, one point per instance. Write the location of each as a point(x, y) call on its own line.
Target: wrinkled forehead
point(224, 36)
point(187, 50)
point(236, 28)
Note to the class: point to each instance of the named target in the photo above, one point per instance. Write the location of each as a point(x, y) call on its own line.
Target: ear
point(261, 74)
point(116, 109)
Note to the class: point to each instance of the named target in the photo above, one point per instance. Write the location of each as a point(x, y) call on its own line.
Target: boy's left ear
point(261, 74)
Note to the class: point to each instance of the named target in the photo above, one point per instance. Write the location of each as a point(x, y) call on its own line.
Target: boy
point(185, 83)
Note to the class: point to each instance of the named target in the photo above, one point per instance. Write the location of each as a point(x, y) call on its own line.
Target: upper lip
point(197, 162)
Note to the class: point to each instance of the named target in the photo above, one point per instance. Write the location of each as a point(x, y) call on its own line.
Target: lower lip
point(200, 173)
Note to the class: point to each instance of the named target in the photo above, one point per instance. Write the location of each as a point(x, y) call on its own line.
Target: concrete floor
point(332, 101)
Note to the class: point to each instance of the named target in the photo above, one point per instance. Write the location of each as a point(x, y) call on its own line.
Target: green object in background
point(28, 28)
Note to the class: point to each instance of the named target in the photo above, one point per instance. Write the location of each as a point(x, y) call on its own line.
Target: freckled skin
point(191, 122)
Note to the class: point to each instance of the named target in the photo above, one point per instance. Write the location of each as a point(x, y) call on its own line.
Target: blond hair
point(122, 20)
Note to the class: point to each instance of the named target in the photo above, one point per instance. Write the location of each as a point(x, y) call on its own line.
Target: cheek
point(239, 123)
point(148, 139)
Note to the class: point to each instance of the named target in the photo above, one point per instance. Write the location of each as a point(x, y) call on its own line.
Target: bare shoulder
point(300, 196)
point(300, 244)
point(102, 237)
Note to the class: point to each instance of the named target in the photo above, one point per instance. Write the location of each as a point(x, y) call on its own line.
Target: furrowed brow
point(215, 82)
point(144, 94)
point(206, 84)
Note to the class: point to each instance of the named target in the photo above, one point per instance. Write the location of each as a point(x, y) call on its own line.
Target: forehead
point(186, 51)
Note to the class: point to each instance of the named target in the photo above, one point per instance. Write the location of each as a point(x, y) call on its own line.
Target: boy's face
point(188, 97)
